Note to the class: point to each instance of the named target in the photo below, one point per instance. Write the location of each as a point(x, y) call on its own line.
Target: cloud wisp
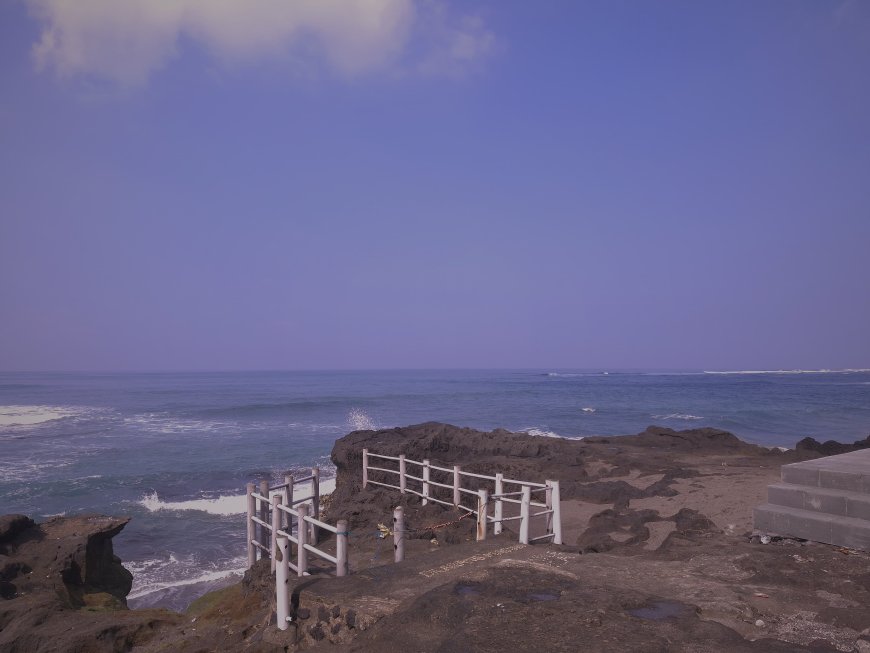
point(126, 41)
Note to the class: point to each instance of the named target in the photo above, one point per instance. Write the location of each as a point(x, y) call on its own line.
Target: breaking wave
point(234, 504)
point(358, 420)
point(683, 416)
point(31, 415)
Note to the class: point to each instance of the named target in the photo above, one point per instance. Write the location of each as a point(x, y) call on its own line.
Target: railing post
point(481, 515)
point(425, 482)
point(288, 501)
point(402, 470)
point(302, 536)
point(252, 532)
point(548, 500)
point(456, 497)
point(399, 533)
point(341, 548)
point(499, 509)
point(315, 504)
point(276, 525)
point(365, 467)
point(525, 506)
point(557, 513)
point(265, 538)
point(282, 573)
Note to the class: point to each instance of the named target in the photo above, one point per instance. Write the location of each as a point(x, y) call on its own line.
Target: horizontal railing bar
point(303, 480)
point(483, 476)
point(261, 497)
point(416, 478)
point(419, 494)
point(272, 488)
point(377, 455)
point(505, 494)
point(295, 501)
point(529, 483)
point(321, 524)
point(320, 553)
point(259, 521)
point(281, 533)
point(541, 537)
point(543, 512)
point(444, 485)
point(536, 504)
point(467, 491)
point(396, 487)
point(441, 469)
point(504, 519)
point(260, 546)
point(443, 503)
point(414, 462)
point(287, 509)
point(381, 469)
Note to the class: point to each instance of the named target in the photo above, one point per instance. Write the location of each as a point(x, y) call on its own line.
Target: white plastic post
point(402, 479)
point(252, 532)
point(481, 515)
point(499, 490)
point(548, 500)
point(282, 573)
point(365, 467)
point(302, 536)
point(315, 504)
point(341, 548)
point(456, 497)
point(276, 524)
point(287, 522)
point(557, 513)
point(425, 482)
point(265, 537)
point(525, 505)
point(399, 533)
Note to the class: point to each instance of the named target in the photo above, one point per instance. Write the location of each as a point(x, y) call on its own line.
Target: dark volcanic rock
point(831, 447)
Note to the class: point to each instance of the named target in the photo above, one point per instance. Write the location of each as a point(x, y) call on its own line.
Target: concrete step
point(818, 527)
point(849, 472)
point(822, 500)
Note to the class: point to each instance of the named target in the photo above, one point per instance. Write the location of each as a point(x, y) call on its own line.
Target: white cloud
point(126, 41)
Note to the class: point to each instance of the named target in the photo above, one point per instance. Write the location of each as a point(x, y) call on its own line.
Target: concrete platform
point(824, 500)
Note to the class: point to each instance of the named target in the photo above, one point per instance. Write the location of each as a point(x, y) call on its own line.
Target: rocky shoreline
point(659, 555)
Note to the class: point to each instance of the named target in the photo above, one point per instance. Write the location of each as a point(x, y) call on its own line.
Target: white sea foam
point(30, 415)
point(677, 416)
point(151, 576)
point(588, 410)
point(545, 433)
point(358, 420)
point(157, 423)
point(234, 504)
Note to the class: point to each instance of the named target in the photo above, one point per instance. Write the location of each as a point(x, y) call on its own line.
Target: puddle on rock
point(466, 590)
point(660, 610)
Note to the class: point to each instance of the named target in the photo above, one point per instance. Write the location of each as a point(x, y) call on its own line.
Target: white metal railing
point(499, 497)
point(270, 530)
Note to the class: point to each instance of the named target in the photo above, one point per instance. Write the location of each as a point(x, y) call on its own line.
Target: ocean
point(174, 450)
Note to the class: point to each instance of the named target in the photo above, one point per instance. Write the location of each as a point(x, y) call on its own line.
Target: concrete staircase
point(823, 500)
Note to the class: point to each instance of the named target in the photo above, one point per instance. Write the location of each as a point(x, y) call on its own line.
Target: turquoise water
point(175, 450)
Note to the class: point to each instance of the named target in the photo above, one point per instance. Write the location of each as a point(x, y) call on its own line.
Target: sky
point(345, 184)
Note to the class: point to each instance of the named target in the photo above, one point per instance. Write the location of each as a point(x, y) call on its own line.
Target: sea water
point(174, 451)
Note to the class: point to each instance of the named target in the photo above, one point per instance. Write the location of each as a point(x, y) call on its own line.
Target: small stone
point(335, 612)
point(759, 623)
point(303, 613)
point(350, 619)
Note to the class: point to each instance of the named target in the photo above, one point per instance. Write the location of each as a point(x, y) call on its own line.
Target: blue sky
point(204, 184)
